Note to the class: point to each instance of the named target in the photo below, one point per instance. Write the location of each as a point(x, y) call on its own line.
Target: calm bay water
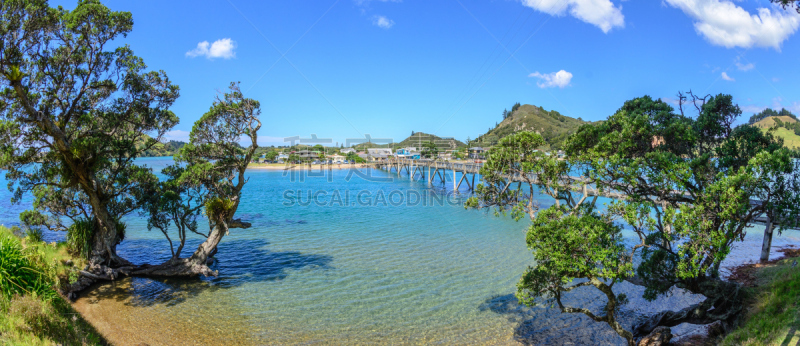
point(377, 273)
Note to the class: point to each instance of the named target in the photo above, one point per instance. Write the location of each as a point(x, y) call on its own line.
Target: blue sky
point(347, 68)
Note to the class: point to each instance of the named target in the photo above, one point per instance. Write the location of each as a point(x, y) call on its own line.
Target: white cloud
point(600, 13)
point(744, 67)
point(556, 79)
point(727, 78)
point(794, 108)
point(752, 109)
point(382, 22)
point(723, 23)
point(222, 48)
point(672, 101)
point(177, 135)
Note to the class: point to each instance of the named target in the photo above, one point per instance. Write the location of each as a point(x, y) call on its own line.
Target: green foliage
point(209, 173)
point(569, 246)
point(271, 155)
point(705, 173)
point(684, 186)
point(30, 310)
point(214, 154)
point(35, 234)
point(429, 149)
point(570, 240)
point(218, 206)
point(353, 157)
point(22, 270)
point(164, 149)
point(79, 237)
point(70, 137)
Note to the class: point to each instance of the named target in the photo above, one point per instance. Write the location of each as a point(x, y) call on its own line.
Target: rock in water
point(659, 336)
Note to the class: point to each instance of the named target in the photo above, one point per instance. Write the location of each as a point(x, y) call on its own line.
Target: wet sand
point(113, 310)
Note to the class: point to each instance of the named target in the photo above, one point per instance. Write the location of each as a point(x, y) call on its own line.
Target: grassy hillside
point(770, 122)
point(554, 127)
point(772, 316)
point(790, 138)
point(415, 140)
point(31, 312)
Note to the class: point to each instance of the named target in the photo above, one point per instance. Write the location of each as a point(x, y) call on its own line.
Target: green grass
point(790, 139)
point(770, 121)
point(31, 311)
point(773, 316)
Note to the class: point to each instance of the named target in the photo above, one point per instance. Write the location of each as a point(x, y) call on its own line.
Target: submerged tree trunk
point(195, 265)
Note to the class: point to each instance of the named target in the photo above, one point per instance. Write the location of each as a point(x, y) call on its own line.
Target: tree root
point(724, 303)
point(180, 267)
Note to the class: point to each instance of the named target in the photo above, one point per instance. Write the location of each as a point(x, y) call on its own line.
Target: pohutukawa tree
point(687, 187)
point(208, 177)
point(77, 109)
point(570, 240)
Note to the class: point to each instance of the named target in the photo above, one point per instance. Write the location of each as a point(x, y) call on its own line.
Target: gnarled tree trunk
point(724, 302)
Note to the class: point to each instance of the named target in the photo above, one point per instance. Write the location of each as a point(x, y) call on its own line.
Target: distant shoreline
point(283, 166)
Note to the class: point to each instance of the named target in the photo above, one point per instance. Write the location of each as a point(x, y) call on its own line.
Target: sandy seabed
point(114, 312)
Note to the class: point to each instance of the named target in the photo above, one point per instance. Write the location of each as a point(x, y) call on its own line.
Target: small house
point(379, 153)
point(476, 152)
point(335, 158)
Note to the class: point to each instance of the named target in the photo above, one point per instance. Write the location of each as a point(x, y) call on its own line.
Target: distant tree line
point(507, 114)
point(167, 149)
point(769, 112)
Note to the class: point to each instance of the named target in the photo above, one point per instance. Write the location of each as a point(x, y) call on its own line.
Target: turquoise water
point(350, 273)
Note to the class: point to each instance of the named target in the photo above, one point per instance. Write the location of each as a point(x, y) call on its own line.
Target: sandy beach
point(114, 310)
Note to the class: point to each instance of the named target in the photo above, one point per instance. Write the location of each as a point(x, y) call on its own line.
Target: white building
point(335, 158)
point(282, 158)
point(379, 153)
point(346, 151)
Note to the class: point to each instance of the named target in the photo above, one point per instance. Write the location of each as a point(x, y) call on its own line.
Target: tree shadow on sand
point(238, 262)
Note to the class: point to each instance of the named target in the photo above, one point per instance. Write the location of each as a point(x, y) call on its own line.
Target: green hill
point(786, 129)
point(552, 125)
point(163, 149)
point(416, 140)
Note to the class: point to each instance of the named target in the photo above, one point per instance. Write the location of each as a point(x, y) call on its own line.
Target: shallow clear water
point(377, 273)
